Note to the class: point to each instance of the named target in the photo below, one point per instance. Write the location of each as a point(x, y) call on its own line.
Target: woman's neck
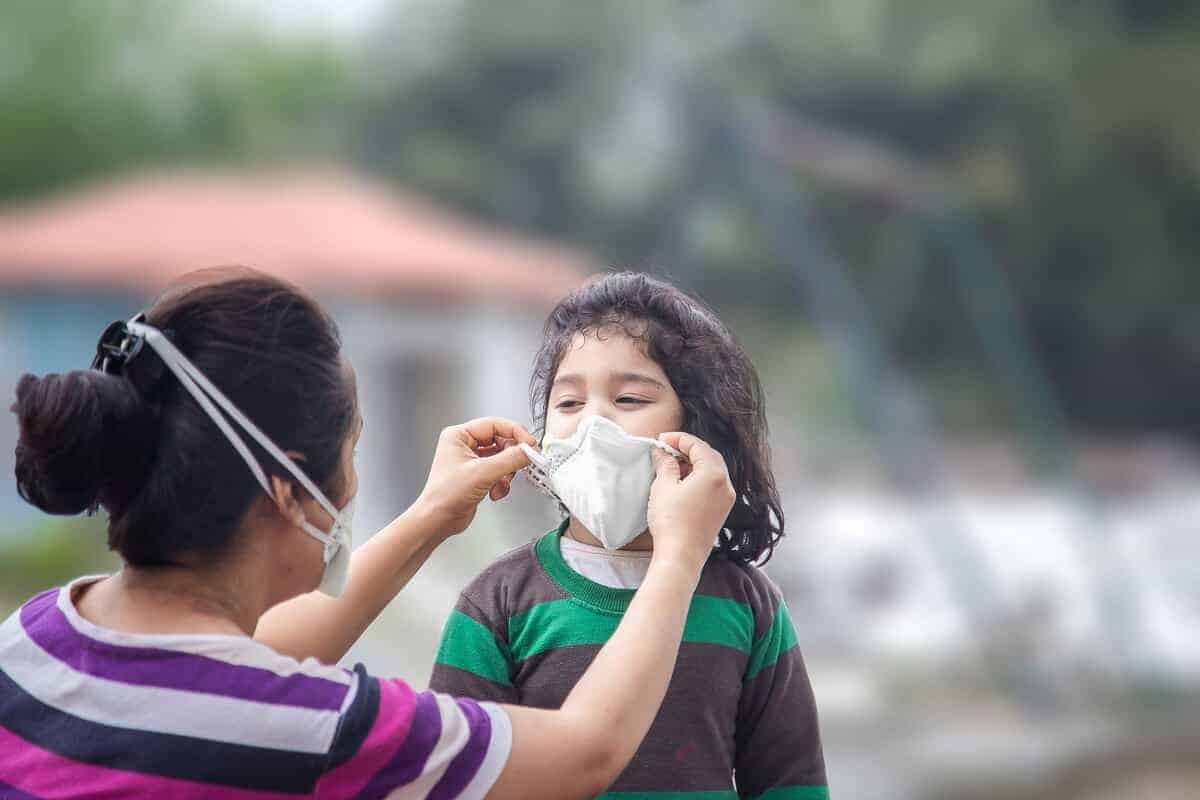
point(575, 529)
point(174, 599)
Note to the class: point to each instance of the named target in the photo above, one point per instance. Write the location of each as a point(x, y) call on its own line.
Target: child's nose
point(597, 407)
point(610, 412)
point(607, 410)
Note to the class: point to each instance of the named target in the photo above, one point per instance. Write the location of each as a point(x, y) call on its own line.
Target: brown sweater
point(739, 706)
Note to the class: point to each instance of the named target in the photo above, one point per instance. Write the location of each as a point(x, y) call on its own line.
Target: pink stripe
point(397, 707)
point(40, 772)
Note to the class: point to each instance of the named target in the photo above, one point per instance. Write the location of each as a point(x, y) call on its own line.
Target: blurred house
point(440, 315)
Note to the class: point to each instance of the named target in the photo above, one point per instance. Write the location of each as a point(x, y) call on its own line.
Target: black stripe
point(164, 754)
point(357, 721)
point(449, 679)
point(8, 792)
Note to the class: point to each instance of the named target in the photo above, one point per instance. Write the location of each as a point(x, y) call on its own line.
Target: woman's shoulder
point(393, 736)
point(98, 697)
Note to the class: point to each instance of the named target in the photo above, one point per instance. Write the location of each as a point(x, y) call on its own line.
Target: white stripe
point(11, 632)
point(158, 710)
point(497, 754)
point(230, 648)
point(350, 695)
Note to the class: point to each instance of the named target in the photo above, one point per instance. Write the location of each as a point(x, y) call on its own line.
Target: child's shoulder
point(519, 557)
point(512, 583)
point(742, 583)
point(510, 565)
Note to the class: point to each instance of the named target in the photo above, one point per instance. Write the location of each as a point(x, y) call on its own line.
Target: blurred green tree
point(1061, 131)
point(97, 88)
point(1066, 129)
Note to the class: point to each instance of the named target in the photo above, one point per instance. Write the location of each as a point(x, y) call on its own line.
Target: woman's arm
point(578, 750)
point(473, 460)
point(323, 627)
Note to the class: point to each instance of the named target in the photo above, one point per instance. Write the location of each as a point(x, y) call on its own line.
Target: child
point(739, 719)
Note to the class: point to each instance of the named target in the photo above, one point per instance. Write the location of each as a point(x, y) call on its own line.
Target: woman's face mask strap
point(202, 389)
point(208, 396)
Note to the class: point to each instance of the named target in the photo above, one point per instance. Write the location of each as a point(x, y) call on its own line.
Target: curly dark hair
point(709, 371)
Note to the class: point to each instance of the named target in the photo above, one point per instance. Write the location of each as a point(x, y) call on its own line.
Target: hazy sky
point(341, 17)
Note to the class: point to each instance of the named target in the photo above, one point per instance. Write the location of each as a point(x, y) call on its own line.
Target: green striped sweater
point(739, 706)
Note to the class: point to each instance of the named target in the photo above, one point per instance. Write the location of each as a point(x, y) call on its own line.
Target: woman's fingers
point(688, 509)
point(487, 430)
point(500, 489)
point(701, 456)
point(500, 466)
point(473, 460)
point(665, 466)
point(501, 443)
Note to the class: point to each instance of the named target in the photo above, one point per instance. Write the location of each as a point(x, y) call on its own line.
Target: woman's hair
point(171, 482)
point(718, 386)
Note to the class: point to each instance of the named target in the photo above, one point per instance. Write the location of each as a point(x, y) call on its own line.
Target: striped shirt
point(739, 719)
point(87, 711)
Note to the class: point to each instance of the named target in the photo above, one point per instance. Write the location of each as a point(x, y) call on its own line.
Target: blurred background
point(959, 238)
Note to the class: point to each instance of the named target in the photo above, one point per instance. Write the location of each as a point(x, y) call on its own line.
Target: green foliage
point(1062, 132)
point(50, 554)
point(1065, 132)
point(97, 88)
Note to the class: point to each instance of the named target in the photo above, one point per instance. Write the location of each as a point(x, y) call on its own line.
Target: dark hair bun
point(81, 436)
point(137, 443)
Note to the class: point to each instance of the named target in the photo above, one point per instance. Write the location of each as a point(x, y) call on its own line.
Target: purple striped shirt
point(86, 710)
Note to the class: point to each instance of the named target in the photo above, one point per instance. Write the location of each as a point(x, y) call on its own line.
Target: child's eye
point(635, 400)
point(567, 404)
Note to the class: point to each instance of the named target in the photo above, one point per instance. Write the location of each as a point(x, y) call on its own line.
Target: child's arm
point(473, 660)
point(778, 740)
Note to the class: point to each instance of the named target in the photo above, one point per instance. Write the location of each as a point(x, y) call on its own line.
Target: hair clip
point(120, 351)
point(117, 347)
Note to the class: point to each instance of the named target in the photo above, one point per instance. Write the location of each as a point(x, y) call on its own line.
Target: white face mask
point(602, 475)
point(339, 541)
point(338, 545)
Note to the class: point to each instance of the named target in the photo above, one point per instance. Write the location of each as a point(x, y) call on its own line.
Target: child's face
point(611, 377)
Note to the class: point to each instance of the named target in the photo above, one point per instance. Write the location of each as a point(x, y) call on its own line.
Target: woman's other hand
point(689, 502)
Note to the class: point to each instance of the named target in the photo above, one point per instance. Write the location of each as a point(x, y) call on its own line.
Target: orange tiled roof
point(328, 230)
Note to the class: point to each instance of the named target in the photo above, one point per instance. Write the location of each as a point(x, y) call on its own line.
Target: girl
point(739, 717)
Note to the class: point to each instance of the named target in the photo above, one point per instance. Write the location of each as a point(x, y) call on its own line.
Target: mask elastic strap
point(197, 385)
point(538, 470)
point(534, 456)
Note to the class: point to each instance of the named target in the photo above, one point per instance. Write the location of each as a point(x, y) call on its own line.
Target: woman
point(217, 431)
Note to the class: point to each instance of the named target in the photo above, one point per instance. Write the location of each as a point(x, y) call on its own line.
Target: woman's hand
point(688, 508)
point(474, 460)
